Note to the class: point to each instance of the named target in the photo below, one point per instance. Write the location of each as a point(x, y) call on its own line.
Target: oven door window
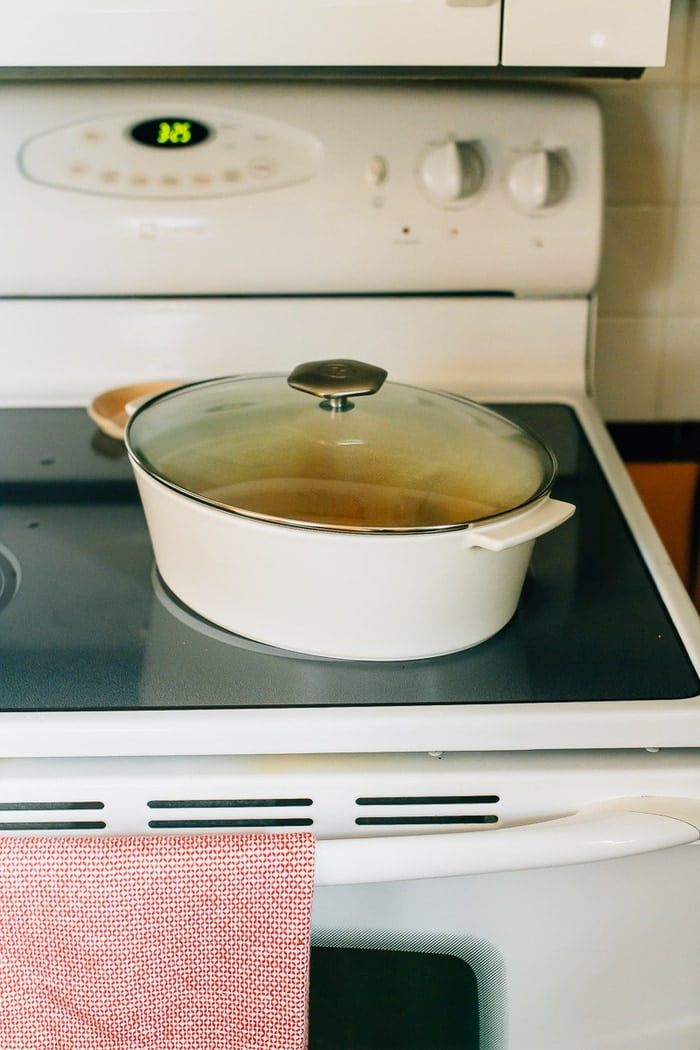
point(379, 999)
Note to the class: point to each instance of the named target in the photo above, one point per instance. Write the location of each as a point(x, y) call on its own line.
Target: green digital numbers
point(170, 133)
point(177, 133)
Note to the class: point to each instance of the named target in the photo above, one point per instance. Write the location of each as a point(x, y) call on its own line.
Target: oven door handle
point(621, 828)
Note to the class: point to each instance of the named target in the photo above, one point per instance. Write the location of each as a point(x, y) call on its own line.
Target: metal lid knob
point(336, 380)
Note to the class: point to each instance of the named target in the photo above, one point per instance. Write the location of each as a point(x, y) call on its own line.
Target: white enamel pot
point(382, 534)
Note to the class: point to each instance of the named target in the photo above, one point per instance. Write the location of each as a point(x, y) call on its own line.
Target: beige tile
point(680, 39)
point(689, 185)
point(643, 134)
point(679, 393)
point(684, 264)
point(627, 368)
point(692, 72)
point(634, 271)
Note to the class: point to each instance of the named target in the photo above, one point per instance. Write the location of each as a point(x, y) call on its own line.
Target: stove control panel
point(171, 155)
point(167, 188)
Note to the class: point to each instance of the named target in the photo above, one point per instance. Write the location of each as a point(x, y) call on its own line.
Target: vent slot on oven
point(434, 810)
point(50, 816)
point(274, 813)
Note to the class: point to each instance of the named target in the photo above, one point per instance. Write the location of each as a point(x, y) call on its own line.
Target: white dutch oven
point(397, 527)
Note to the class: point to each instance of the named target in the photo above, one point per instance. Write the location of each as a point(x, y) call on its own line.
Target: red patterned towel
point(155, 942)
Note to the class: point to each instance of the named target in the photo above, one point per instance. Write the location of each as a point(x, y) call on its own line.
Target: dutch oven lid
point(405, 460)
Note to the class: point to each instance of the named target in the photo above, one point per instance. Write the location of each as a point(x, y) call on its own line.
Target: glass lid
point(403, 460)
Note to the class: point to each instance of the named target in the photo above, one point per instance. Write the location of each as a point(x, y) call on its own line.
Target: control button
point(139, 180)
point(108, 176)
point(538, 180)
point(201, 179)
point(170, 181)
point(377, 171)
point(452, 172)
point(262, 167)
point(92, 135)
point(231, 175)
point(78, 168)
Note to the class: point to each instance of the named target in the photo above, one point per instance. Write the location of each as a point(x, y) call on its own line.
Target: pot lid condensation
point(403, 460)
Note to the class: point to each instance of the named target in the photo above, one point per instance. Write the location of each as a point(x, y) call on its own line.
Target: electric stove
point(453, 233)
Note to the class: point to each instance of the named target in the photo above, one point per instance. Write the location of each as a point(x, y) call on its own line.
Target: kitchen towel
point(155, 942)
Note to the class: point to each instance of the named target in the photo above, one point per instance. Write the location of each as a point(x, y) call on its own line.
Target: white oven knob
point(538, 180)
point(451, 172)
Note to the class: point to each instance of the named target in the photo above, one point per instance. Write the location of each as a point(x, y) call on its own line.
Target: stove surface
point(86, 624)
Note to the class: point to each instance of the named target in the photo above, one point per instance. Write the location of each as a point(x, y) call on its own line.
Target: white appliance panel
point(65, 351)
point(583, 957)
point(335, 191)
point(346, 796)
point(565, 949)
point(221, 153)
point(252, 33)
point(318, 33)
point(594, 34)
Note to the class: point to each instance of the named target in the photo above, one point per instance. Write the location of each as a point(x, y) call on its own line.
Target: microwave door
point(284, 34)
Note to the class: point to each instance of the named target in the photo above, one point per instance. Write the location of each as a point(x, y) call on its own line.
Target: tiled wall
point(648, 345)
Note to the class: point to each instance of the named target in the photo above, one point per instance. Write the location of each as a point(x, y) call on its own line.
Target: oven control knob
point(538, 180)
point(451, 172)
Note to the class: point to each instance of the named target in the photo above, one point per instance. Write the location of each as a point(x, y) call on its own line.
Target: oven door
point(333, 33)
point(539, 945)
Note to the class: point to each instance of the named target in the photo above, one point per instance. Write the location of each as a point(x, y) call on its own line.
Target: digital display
point(170, 132)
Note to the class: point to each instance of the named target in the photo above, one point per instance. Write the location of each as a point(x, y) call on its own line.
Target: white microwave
point(324, 34)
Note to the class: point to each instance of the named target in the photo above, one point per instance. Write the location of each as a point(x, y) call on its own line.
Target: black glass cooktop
point(86, 624)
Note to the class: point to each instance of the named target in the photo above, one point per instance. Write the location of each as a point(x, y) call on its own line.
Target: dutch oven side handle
point(534, 521)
